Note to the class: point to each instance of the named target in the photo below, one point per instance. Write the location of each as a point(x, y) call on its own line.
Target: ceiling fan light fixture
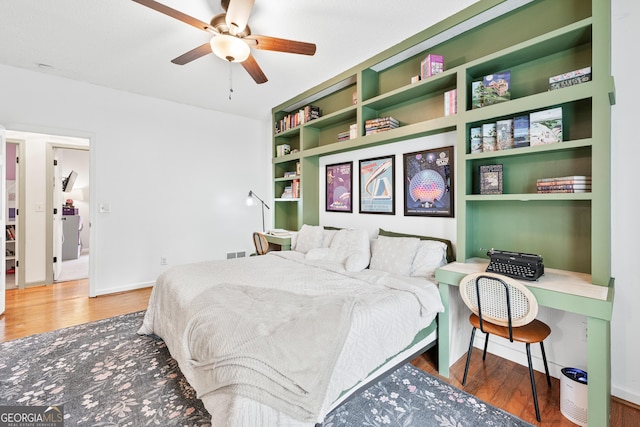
point(230, 48)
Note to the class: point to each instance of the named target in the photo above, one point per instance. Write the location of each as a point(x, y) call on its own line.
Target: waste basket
point(573, 395)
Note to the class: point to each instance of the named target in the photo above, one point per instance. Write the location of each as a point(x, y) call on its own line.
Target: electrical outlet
point(240, 254)
point(231, 255)
point(163, 260)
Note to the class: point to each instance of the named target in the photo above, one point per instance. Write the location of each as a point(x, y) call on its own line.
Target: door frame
point(21, 191)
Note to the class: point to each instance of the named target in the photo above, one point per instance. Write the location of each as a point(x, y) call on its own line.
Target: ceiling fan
point(232, 39)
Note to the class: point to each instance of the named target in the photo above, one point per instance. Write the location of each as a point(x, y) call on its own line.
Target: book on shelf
point(488, 137)
point(571, 78)
point(490, 178)
point(504, 134)
point(431, 65)
point(475, 140)
point(283, 150)
point(344, 136)
point(521, 131)
point(381, 124)
point(545, 127)
point(564, 184)
point(292, 120)
point(297, 168)
point(289, 174)
point(450, 102)
point(571, 179)
point(353, 130)
point(477, 94)
point(496, 88)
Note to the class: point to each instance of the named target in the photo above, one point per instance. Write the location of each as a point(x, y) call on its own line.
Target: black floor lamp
point(264, 205)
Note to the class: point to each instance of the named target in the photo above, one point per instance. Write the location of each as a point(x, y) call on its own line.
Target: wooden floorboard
point(497, 381)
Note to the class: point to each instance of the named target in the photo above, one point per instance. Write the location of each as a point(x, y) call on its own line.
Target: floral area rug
point(106, 375)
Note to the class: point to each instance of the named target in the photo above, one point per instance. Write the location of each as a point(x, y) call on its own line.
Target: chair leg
point(546, 367)
point(486, 343)
point(533, 382)
point(466, 367)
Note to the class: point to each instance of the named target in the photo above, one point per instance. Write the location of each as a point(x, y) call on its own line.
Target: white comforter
point(385, 313)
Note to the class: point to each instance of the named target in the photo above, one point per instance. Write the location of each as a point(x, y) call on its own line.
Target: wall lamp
point(250, 202)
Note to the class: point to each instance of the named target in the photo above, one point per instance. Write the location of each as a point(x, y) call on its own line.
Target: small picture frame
point(377, 185)
point(339, 179)
point(490, 178)
point(428, 183)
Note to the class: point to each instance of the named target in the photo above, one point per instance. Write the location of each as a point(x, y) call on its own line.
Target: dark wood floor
point(497, 381)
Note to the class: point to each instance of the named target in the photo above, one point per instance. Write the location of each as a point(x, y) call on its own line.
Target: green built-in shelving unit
point(533, 40)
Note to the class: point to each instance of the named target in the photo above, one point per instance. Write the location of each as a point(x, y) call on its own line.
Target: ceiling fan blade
point(282, 45)
point(193, 54)
point(254, 70)
point(238, 12)
point(177, 15)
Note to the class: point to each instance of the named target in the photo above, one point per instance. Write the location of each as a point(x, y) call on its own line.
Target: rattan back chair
point(504, 307)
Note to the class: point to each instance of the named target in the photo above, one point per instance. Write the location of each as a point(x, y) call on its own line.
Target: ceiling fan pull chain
point(230, 80)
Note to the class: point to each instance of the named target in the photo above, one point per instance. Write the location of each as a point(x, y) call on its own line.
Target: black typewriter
point(515, 264)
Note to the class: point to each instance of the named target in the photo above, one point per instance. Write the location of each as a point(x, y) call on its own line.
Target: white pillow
point(309, 237)
point(328, 237)
point(430, 255)
point(357, 261)
point(317, 253)
point(394, 254)
point(347, 242)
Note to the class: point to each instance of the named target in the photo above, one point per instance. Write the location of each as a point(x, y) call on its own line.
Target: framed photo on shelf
point(490, 179)
point(428, 183)
point(339, 178)
point(377, 184)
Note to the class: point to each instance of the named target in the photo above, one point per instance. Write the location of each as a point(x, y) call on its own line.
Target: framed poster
point(377, 184)
point(428, 183)
point(339, 178)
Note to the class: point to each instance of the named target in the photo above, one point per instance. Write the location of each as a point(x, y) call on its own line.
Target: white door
point(3, 195)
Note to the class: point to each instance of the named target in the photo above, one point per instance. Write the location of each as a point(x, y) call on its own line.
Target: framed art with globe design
point(428, 183)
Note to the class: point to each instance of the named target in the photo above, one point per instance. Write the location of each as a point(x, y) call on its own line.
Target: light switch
point(105, 207)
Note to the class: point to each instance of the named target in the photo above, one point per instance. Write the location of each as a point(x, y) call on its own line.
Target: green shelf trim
point(438, 83)
point(429, 127)
point(287, 200)
point(333, 118)
point(530, 103)
point(523, 151)
point(287, 158)
point(528, 197)
point(289, 178)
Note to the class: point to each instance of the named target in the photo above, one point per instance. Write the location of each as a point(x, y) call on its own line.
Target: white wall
point(176, 176)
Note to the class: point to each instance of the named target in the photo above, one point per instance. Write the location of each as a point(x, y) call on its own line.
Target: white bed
point(282, 339)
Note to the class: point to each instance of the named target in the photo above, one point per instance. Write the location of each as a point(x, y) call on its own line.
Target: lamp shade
point(230, 48)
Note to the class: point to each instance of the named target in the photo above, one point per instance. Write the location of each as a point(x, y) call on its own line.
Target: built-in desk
point(562, 290)
point(281, 243)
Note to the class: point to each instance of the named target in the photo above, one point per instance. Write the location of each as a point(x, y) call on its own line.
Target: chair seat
point(533, 332)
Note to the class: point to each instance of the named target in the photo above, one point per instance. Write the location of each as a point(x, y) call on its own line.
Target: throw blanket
point(282, 354)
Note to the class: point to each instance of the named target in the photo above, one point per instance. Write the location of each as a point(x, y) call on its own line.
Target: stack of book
point(304, 115)
point(380, 125)
point(344, 136)
point(450, 102)
point(291, 191)
point(565, 184)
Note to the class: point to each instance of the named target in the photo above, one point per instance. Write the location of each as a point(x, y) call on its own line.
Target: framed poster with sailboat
point(377, 185)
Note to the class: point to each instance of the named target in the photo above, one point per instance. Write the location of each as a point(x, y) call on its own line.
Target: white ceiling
point(123, 45)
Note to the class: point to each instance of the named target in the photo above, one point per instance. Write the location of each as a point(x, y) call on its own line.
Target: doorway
point(36, 218)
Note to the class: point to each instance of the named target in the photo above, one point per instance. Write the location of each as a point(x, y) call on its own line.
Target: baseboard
point(130, 287)
point(625, 397)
